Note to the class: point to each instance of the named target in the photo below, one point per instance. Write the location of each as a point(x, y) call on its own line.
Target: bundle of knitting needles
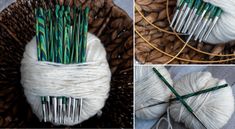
point(61, 35)
point(195, 18)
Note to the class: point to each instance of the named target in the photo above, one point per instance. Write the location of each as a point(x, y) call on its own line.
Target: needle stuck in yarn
point(188, 95)
point(61, 40)
point(178, 96)
point(195, 18)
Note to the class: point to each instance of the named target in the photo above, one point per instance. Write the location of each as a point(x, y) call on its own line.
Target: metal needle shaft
point(180, 15)
point(199, 20)
point(218, 13)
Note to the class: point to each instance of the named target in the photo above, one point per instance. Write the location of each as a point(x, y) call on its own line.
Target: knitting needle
point(199, 20)
point(43, 108)
point(48, 107)
point(178, 96)
point(43, 48)
point(60, 51)
point(84, 46)
point(192, 15)
point(49, 42)
point(188, 95)
point(207, 25)
point(218, 13)
point(38, 36)
point(204, 30)
point(80, 109)
point(204, 22)
point(69, 107)
point(198, 13)
point(73, 108)
point(79, 49)
point(181, 13)
point(186, 13)
point(76, 109)
point(189, 19)
point(55, 109)
point(67, 29)
point(176, 13)
point(60, 99)
point(64, 108)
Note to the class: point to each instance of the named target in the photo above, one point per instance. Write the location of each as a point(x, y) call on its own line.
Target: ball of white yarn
point(214, 109)
point(224, 30)
point(150, 89)
point(89, 81)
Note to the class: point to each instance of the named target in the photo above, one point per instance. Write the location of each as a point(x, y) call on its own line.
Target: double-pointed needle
point(207, 25)
point(196, 18)
point(176, 13)
point(218, 13)
point(64, 102)
point(69, 107)
point(178, 96)
point(199, 21)
point(192, 15)
point(44, 108)
point(80, 109)
point(60, 99)
point(54, 99)
point(204, 22)
point(185, 15)
point(73, 108)
point(48, 103)
point(181, 12)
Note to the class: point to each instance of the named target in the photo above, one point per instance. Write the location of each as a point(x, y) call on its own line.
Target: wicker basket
point(151, 15)
point(107, 21)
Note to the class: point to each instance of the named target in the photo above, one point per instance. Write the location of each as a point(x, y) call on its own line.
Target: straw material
point(107, 21)
point(155, 15)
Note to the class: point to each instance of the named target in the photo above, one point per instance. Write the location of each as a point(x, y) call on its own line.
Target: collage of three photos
point(141, 64)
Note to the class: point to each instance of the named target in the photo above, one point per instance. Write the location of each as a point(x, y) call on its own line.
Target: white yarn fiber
point(224, 30)
point(214, 108)
point(89, 81)
point(149, 89)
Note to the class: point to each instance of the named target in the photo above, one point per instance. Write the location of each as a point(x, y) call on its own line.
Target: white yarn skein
point(224, 30)
point(89, 81)
point(150, 89)
point(214, 108)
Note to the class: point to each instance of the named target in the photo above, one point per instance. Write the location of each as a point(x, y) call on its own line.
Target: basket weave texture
point(107, 21)
point(155, 14)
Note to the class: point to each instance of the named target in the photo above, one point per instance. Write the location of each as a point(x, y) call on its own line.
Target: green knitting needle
point(218, 14)
point(176, 13)
point(188, 95)
point(42, 47)
point(67, 46)
point(208, 24)
point(196, 6)
point(185, 15)
point(204, 22)
point(182, 10)
point(207, 6)
point(198, 14)
point(56, 53)
point(74, 42)
point(178, 96)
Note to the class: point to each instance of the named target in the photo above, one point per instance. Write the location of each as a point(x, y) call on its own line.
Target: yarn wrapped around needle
point(89, 81)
